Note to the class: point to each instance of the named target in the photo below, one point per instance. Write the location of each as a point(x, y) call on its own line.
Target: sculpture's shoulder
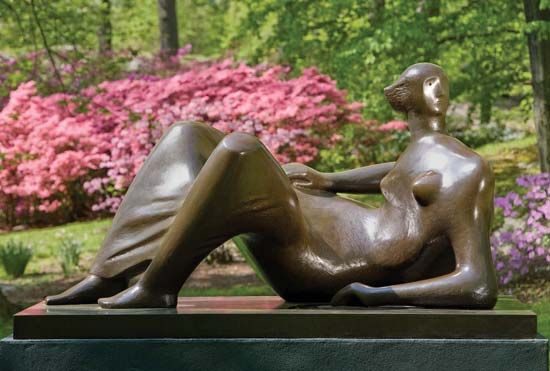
point(468, 165)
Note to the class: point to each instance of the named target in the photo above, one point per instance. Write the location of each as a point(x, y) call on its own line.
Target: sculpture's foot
point(137, 297)
point(88, 291)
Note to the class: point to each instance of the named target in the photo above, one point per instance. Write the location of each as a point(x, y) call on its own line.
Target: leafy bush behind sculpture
point(76, 70)
point(63, 154)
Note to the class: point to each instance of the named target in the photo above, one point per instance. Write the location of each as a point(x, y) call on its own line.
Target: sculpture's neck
point(421, 125)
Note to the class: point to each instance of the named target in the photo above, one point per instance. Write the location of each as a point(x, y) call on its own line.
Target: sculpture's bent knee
point(240, 143)
point(484, 296)
point(186, 128)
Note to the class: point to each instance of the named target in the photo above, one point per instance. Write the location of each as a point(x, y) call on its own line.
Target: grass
point(510, 160)
point(6, 327)
point(45, 241)
point(542, 308)
point(237, 290)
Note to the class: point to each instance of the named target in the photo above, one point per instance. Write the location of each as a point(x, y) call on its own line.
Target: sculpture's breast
point(396, 188)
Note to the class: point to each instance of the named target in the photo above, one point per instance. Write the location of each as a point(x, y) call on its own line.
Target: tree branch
point(46, 45)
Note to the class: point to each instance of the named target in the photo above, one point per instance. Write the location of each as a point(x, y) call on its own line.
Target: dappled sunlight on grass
point(510, 160)
point(44, 264)
point(542, 309)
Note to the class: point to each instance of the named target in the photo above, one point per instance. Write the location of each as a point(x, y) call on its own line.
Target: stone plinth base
point(271, 317)
point(265, 333)
point(273, 354)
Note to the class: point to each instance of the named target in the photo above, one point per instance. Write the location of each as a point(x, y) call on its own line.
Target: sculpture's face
point(436, 94)
point(423, 88)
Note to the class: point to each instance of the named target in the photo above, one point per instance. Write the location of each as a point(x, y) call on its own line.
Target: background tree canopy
point(361, 44)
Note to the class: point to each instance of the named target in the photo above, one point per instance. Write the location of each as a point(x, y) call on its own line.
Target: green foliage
point(68, 254)
point(207, 25)
point(202, 24)
point(135, 25)
point(361, 146)
point(510, 160)
point(364, 45)
point(35, 24)
point(474, 138)
point(15, 255)
point(353, 150)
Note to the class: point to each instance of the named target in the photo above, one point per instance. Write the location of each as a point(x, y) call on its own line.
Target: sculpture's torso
point(346, 241)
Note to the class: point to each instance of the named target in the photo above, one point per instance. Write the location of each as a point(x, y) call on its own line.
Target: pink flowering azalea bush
point(393, 126)
point(65, 153)
point(521, 247)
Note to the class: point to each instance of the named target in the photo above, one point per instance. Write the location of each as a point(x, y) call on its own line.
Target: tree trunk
point(486, 108)
point(168, 26)
point(105, 32)
point(539, 51)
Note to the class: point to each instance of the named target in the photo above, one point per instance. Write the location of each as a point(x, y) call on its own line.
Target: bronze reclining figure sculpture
point(427, 245)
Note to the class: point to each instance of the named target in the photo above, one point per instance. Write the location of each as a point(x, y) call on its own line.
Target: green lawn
point(237, 290)
point(44, 241)
point(542, 308)
point(510, 160)
point(5, 327)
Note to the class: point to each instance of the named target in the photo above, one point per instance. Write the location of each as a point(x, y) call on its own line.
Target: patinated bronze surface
point(427, 245)
point(271, 317)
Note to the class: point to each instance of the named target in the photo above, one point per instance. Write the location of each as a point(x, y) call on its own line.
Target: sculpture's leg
point(148, 210)
point(241, 189)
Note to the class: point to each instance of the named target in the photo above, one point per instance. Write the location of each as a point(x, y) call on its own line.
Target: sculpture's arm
point(471, 285)
point(361, 180)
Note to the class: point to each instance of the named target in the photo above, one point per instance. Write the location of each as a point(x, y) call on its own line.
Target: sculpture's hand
point(303, 176)
point(356, 294)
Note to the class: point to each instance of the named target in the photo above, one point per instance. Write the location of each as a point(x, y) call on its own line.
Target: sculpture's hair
point(399, 95)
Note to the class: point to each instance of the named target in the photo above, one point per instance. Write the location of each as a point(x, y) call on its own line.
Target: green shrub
point(362, 145)
point(69, 254)
point(475, 137)
point(15, 255)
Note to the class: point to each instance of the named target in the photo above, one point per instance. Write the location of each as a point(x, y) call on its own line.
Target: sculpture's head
point(422, 88)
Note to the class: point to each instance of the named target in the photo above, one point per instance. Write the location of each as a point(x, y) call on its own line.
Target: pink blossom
point(94, 142)
point(394, 125)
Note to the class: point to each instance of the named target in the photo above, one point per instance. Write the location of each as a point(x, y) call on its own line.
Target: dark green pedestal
point(274, 354)
point(266, 334)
